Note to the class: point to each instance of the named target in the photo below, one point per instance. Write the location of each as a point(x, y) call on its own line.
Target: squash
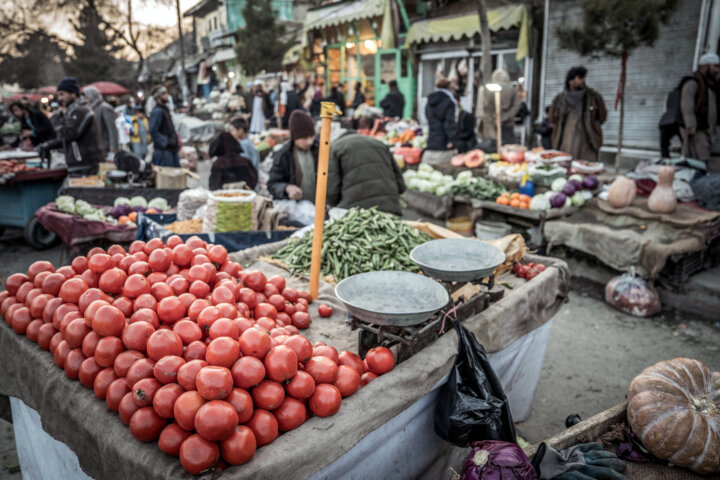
point(674, 409)
point(458, 160)
point(622, 192)
point(663, 199)
point(474, 158)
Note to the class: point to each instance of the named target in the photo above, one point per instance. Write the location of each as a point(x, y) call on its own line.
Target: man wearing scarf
point(577, 115)
point(162, 131)
point(105, 120)
point(698, 104)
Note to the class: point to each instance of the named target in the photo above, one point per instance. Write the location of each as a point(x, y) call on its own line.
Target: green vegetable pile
point(477, 187)
point(361, 241)
point(67, 204)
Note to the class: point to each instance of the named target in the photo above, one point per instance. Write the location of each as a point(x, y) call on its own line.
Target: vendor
point(295, 165)
point(34, 124)
point(162, 131)
point(239, 130)
point(230, 165)
point(76, 129)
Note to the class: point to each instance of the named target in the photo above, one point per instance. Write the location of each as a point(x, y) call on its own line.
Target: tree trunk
point(623, 80)
point(485, 40)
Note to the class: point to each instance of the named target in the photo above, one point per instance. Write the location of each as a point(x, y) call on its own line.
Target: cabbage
point(120, 210)
point(558, 200)
point(576, 176)
point(540, 202)
point(568, 189)
point(425, 168)
point(558, 184)
point(442, 190)
point(590, 183)
point(94, 216)
point(495, 460)
point(464, 176)
point(121, 201)
point(138, 202)
point(578, 199)
point(159, 203)
point(82, 207)
point(65, 203)
point(409, 174)
point(436, 176)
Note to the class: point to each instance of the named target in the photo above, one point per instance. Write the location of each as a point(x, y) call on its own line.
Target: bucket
point(229, 211)
point(461, 225)
point(487, 230)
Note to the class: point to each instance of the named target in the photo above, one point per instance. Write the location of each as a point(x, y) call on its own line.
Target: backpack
point(673, 112)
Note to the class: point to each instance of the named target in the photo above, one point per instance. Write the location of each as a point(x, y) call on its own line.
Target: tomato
point(102, 381)
point(198, 455)
point(222, 294)
point(195, 242)
point(531, 273)
point(21, 319)
point(144, 390)
point(33, 328)
point(32, 295)
point(88, 371)
point(79, 264)
point(90, 277)
point(67, 319)
point(217, 254)
point(166, 369)
point(75, 332)
point(171, 438)
point(223, 327)
point(242, 402)
point(72, 363)
point(322, 369)
point(37, 267)
point(126, 408)
point(281, 363)
point(540, 267)
point(303, 295)
point(136, 246)
point(216, 420)
point(195, 351)
point(270, 290)
point(301, 307)
point(136, 335)
point(107, 349)
point(112, 280)
point(366, 378)
point(188, 331)
point(61, 351)
point(239, 447)
point(146, 425)
point(266, 323)
point(135, 285)
point(265, 310)
point(380, 360)
point(72, 289)
point(108, 321)
point(208, 316)
point(92, 309)
point(162, 343)
point(351, 360)
point(248, 297)
point(301, 386)
point(142, 368)
point(185, 408)
point(89, 344)
point(325, 311)
point(223, 352)
point(23, 291)
point(290, 414)
point(301, 319)
point(170, 310)
point(100, 262)
point(115, 393)
point(255, 280)
point(325, 401)
point(52, 283)
point(14, 281)
point(90, 296)
point(187, 373)
point(124, 304)
point(182, 255)
point(265, 427)
point(124, 361)
point(145, 300)
point(198, 272)
point(348, 380)
point(268, 395)
point(164, 399)
point(248, 372)
point(40, 278)
point(326, 351)
point(152, 245)
point(146, 315)
point(200, 258)
point(255, 342)
point(214, 383)
point(199, 288)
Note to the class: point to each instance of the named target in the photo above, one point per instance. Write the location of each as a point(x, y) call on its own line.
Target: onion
point(495, 460)
point(590, 183)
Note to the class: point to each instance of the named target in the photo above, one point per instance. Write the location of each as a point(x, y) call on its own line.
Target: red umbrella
point(109, 88)
point(24, 96)
point(47, 90)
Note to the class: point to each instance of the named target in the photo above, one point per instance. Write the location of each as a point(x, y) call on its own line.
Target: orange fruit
point(514, 196)
point(524, 205)
point(503, 200)
point(515, 203)
point(524, 198)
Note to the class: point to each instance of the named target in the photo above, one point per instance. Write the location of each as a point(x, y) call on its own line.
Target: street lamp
point(494, 87)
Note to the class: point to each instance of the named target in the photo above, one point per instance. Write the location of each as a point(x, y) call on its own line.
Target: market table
point(75, 230)
point(378, 418)
point(107, 195)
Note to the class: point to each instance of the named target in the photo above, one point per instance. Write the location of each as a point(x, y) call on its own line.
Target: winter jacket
point(77, 134)
point(105, 119)
point(40, 126)
point(699, 118)
point(440, 114)
point(466, 139)
point(594, 115)
point(164, 137)
point(229, 165)
point(362, 173)
point(358, 100)
point(135, 134)
point(509, 107)
point(283, 171)
point(293, 103)
point(393, 104)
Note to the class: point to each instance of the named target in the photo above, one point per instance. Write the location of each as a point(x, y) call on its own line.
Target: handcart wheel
point(38, 236)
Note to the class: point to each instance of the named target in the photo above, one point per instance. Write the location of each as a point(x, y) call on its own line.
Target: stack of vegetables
point(361, 241)
point(125, 209)
point(188, 348)
point(9, 168)
point(574, 191)
point(515, 200)
point(476, 187)
point(427, 179)
point(67, 204)
point(410, 137)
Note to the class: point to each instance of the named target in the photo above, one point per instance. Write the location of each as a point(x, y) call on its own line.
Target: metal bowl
point(457, 259)
point(392, 298)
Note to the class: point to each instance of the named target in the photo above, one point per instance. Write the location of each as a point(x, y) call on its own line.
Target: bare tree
point(485, 40)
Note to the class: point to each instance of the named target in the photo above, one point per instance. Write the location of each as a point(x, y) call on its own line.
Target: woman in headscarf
point(229, 165)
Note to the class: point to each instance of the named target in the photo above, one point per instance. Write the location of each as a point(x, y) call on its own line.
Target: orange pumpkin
point(674, 409)
point(123, 220)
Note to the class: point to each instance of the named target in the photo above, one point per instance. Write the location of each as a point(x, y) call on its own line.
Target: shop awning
point(339, 13)
point(224, 55)
point(444, 29)
point(292, 56)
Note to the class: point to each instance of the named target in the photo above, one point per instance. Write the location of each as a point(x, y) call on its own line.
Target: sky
point(161, 15)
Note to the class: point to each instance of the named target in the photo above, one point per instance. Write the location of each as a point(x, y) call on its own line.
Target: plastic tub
point(488, 230)
point(461, 225)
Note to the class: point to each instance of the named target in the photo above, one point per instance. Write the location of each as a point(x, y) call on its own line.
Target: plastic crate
point(679, 269)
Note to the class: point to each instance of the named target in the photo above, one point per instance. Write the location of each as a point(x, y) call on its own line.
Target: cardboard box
point(171, 177)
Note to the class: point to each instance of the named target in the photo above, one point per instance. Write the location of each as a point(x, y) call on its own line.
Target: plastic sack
point(472, 405)
point(633, 295)
point(190, 202)
point(302, 212)
point(493, 460)
point(229, 211)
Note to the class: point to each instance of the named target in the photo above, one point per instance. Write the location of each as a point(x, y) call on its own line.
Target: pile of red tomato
point(528, 271)
point(191, 350)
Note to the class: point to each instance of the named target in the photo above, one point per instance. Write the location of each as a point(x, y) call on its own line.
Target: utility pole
point(182, 79)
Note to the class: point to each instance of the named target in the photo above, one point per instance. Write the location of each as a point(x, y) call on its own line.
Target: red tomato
point(265, 310)
point(115, 393)
point(277, 301)
point(255, 342)
point(159, 260)
point(40, 278)
point(255, 280)
point(222, 294)
point(124, 361)
point(100, 262)
point(380, 360)
point(326, 351)
point(199, 288)
point(290, 414)
point(264, 426)
point(108, 321)
point(198, 455)
point(301, 319)
point(266, 323)
point(301, 307)
point(75, 332)
point(127, 408)
point(90, 296)
point(325, 311)
point(88, 371)
point(56, 340)
point(198, 272)
point(92, 309)
point(348, 380)
point(23, 291)
point(48, 311)
point(162, 343)
point(21, 319)
point(281, 364)
point(112, 281)
point(301, 386)
point(91, 278)
point(268, 395)
point(214, 383)
point(146, 425)
point(124, 304)
point(45, 333)
point(171, 438)
point(72, 363)
point(71, 290)
point(216, 420)
point(116, 249)
point(248, 297)
point(239, 447)
point(33, 329)
point(144, 390)
point(160, 290)
point(188, 331)
point(164, 399)
point(166, 369)
point(52, 283)
point(79, 264)
point(223, 327)
point(351, 360)
point(145, 315)
point(366, 378)
point(107, 349)
point(102, 381)
point(223, 352)
point(39, 266)
point(135, 285)
point(185, 408)
point(270, 290)
point(178, 285)
point(322, 369)
point(242, 402)
point(248, 372)
point(187, 373)
point(170, 310)
point(14, 281)
point(136, 335)
point(195, 242)
point(208, 316)
point(145, 300)
point(89, 344)
point(217, 254)
point(325, 401)
point(182, 255)
point(142, 368)
point(195, 351)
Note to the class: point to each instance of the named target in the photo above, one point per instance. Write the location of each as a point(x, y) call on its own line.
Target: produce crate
point(429, 204)
point(592, 430)
point(679, 268)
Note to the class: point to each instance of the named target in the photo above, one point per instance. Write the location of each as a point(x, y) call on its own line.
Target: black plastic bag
point(472, 405)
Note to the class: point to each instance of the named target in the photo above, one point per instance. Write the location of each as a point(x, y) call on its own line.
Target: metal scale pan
point(457, 259)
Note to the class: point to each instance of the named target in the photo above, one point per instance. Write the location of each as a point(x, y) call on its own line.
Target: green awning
point(455, 28)
point(339, 13)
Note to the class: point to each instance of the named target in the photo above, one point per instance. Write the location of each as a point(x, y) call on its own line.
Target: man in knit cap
point(162, 131)
point(77, 132)
point(698, 104)
point(294, 166)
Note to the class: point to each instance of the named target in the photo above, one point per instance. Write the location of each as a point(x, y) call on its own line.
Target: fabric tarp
point(193, 129)
point(71, 413)
point(445, 29)
point(632, 236)
point(74, 230)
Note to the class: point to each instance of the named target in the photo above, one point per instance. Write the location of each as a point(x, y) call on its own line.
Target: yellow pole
point(329, 109)
point(498, 121)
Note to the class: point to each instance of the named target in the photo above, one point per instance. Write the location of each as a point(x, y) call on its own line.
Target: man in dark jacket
point(35, 125)
point(363, 173)
point(292, 103)
point(162, 131)
point(294, 167)
point(699, 109)
point(394, 103)
point(105, 119)
point(230, 165)
point(76, 130)
point(441, 111)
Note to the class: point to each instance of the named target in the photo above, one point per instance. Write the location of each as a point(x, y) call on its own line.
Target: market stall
point(385, 415)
